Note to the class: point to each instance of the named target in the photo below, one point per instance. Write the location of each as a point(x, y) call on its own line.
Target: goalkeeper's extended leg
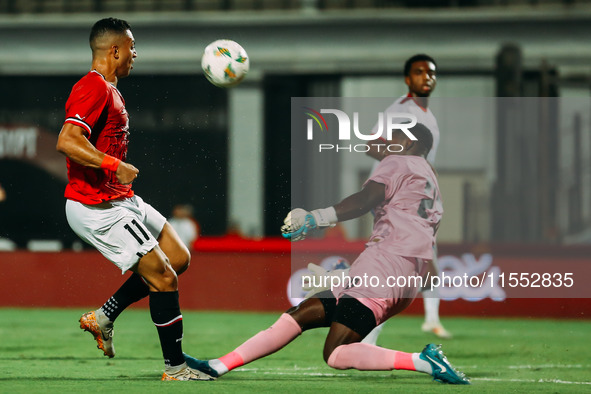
point(365, 357)
point(285, 330)
point(309, 314)
point(342, 349)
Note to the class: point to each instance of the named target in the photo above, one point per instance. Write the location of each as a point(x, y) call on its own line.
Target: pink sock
point(285, 330)
point(365, 357)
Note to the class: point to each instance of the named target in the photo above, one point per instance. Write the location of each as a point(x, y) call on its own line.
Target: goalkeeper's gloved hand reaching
point(298, 222)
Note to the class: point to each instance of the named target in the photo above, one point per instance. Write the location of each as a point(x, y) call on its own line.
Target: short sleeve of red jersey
point(86, 103)
point(387, 173)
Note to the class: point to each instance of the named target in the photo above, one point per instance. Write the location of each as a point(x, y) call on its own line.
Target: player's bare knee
point(291, 310)
point(167, 281)
point(180, 260)
point(308, 314)
point(171, 280)
point(184, 262)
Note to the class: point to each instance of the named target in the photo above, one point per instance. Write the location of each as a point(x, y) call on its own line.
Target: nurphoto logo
point(383, 130)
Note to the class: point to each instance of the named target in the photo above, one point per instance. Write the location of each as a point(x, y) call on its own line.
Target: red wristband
point(110, 163)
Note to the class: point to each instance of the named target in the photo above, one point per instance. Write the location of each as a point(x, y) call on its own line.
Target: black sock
point(134, 289)
point(166, 315)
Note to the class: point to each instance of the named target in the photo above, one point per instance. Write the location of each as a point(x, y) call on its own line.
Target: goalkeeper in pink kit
point(404, 194)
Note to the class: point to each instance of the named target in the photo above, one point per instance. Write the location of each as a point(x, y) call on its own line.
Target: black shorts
point(349, 312)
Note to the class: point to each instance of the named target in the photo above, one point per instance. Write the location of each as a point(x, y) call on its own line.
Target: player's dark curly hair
point(107, 25)
point(424, 138)
point(421, 57)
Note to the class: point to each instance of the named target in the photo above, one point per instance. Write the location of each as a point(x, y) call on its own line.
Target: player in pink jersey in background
point(404, 193)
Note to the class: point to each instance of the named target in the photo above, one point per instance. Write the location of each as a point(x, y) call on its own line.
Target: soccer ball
point(225, 63)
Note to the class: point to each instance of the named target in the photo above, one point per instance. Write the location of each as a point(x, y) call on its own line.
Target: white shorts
point(122, 230)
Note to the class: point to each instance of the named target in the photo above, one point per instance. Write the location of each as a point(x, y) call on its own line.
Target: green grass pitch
point(43, 350)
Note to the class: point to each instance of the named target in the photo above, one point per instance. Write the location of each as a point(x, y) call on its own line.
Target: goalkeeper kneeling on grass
point(404, 194)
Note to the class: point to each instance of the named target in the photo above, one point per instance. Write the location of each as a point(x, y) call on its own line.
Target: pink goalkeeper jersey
point(406, 222)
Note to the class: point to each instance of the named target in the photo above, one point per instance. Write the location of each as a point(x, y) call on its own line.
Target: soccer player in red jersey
point(101, 206)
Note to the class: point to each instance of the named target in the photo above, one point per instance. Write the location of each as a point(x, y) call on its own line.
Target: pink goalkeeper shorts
point(386, 284)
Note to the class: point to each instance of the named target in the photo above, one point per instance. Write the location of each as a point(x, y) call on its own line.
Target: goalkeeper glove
point(298, 222)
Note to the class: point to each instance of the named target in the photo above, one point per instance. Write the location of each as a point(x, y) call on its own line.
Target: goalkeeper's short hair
point(424, 138)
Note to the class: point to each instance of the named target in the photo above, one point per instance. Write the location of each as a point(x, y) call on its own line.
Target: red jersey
point(98, 107)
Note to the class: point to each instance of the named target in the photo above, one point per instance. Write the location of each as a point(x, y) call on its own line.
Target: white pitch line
point(295, 368)
point(307, 374)
point(301, 372)
point(531, 381)
point(548, 366)
point(296, 371)
point(461, 367)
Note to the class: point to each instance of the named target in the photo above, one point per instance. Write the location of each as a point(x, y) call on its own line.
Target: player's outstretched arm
point(362, 202)
point(299, 222)
point(73, 143)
